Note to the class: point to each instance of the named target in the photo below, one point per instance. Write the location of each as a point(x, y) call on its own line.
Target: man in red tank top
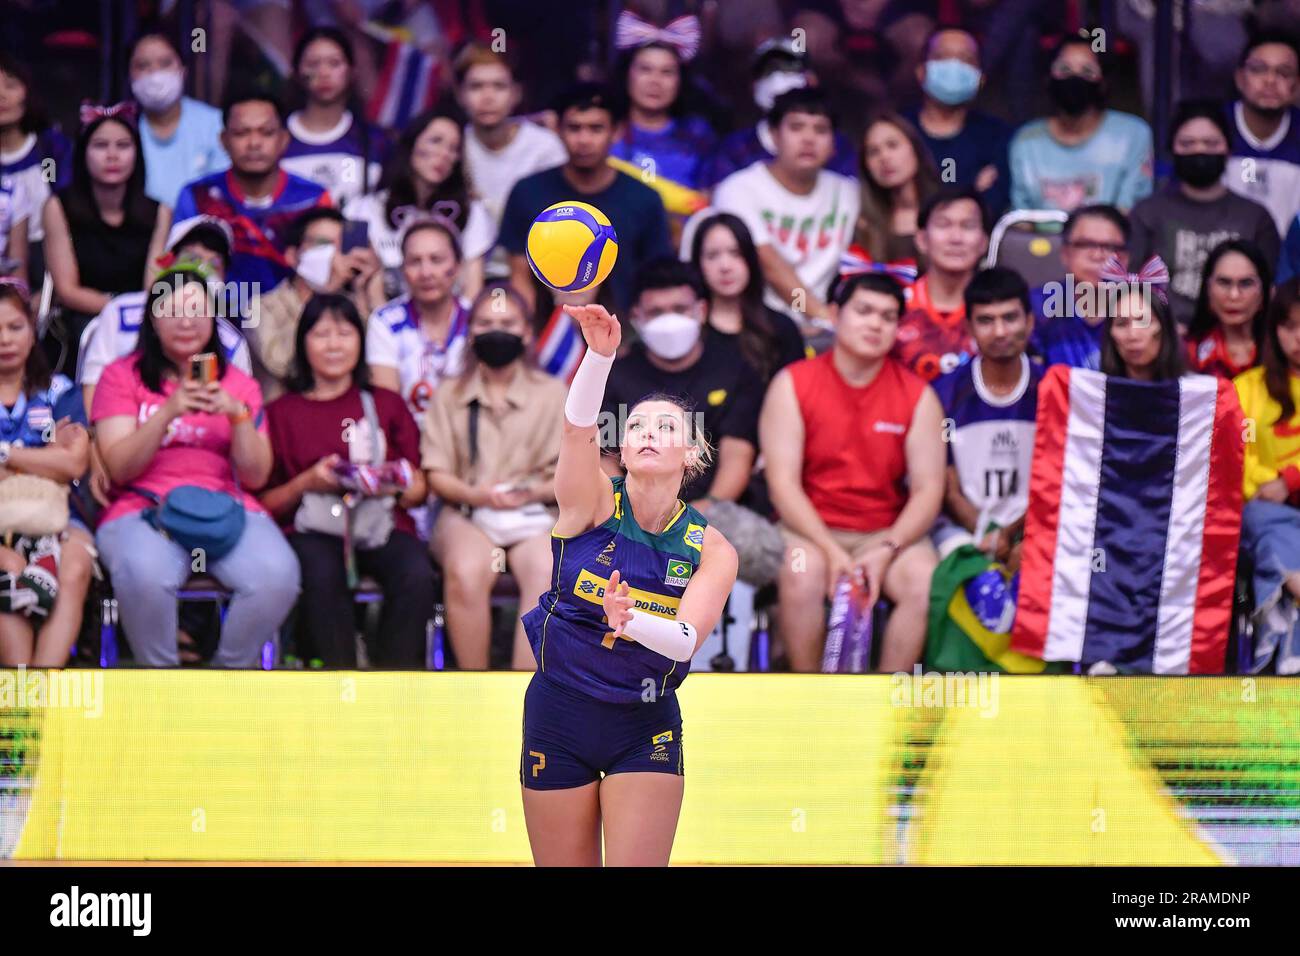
point(953, 237)
point(855, 465)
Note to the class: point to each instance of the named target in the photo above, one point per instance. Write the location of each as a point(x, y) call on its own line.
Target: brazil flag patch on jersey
point(679, 573)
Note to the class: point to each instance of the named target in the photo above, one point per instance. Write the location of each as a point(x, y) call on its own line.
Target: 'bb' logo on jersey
point(679, 573)
point(605, 557)
point(694, 536)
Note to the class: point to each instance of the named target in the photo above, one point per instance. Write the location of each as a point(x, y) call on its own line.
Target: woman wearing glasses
point(1225, 336)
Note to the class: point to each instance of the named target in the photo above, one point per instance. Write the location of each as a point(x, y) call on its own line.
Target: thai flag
point(560, 346)
point(407, 86)
point(1130, 547)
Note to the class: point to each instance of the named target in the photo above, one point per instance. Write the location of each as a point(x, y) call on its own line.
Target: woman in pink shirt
point(158, 429)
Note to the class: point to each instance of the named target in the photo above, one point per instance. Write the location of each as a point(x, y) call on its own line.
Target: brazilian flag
point(955, 638)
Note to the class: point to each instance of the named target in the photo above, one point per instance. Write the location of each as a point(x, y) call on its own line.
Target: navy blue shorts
point(571, 739)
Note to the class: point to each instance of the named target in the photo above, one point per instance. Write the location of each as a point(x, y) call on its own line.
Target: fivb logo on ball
point(571, 246)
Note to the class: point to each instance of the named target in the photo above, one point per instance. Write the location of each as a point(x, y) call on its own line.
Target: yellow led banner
point(208, 765)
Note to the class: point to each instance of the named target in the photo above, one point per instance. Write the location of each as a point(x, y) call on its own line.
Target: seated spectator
point(158, 429)
point(969, 145)
point(673, 356)
point(952, 236)
point(898, 176)
point(320, 424)
point(637, 213)
point(420, 338)
point(657, 131)
point(800, 214)
point(181, 136)
point(1132, 345)
point(991, 403)
point(255, 196)
point(30, 148)
point(490, 445)
point(114, 333)
point(1196, 212)
point(1083, 153)
point(724, 254)
point(425, 174)
point(1270, 522)
point(1264, 163)
point(313, 247)
point(855, 466)
point(500, 148)
point(329, 144)
point(779, 66)
point(1226, 334)
point(102, 234)
point(43, 578)
point(1070, 323)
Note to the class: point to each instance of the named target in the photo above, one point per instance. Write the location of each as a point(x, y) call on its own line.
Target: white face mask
point(774, 84)
point(671, 335)
point(314, 265)
point(158, 90)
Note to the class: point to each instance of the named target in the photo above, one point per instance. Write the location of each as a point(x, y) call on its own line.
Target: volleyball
point(571, 246)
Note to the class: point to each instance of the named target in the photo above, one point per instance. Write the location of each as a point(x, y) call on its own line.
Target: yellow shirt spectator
point(1275, 452)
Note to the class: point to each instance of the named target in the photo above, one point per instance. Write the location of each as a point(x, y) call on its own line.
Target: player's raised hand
point(600, 329)
point(618, 604)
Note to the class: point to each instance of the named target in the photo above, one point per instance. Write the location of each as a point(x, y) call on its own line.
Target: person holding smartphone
point(329, 254)
point(167, 416)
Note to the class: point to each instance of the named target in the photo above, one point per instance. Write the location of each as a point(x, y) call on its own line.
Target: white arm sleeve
point(672, 639)
point(587, 392)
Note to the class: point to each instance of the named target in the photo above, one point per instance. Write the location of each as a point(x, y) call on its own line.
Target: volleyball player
point(639, 579)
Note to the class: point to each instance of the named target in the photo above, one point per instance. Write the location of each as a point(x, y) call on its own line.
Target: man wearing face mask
point(1196, 211)
point(673, 356)
point(778, 68)
point(1083, 153)
point(969, 146)
point(314, 249)
point(181, 136)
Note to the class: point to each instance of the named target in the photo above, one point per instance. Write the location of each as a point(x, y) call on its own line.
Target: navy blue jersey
point(567, 629)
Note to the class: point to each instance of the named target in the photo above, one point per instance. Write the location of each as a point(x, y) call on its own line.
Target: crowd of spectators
point(321, 333)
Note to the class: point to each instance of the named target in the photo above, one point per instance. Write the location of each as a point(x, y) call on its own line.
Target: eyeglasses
point(1256, 69)
point(1085, 245)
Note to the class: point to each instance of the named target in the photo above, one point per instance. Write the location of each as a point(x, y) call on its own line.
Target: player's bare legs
point(640, 812)
point(564, 825)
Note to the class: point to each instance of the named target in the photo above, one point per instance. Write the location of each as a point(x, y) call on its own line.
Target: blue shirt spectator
point(1082, 153)
point(969, 147)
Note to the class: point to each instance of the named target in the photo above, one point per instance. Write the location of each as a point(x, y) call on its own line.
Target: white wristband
point(672, 639)
point(587, 391)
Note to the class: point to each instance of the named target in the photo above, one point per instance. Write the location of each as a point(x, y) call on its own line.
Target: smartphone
point(356, 235)
point(203, 368)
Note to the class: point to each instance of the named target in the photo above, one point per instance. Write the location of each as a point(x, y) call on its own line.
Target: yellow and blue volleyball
point(571, 246)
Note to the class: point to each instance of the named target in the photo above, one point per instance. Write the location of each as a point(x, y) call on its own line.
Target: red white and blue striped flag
point(407, 86)
point(560, 347)
point(1130, 547)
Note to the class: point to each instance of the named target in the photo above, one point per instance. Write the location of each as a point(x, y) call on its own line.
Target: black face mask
point(1200, 169)
point(497, 349)
point(1074, 95)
